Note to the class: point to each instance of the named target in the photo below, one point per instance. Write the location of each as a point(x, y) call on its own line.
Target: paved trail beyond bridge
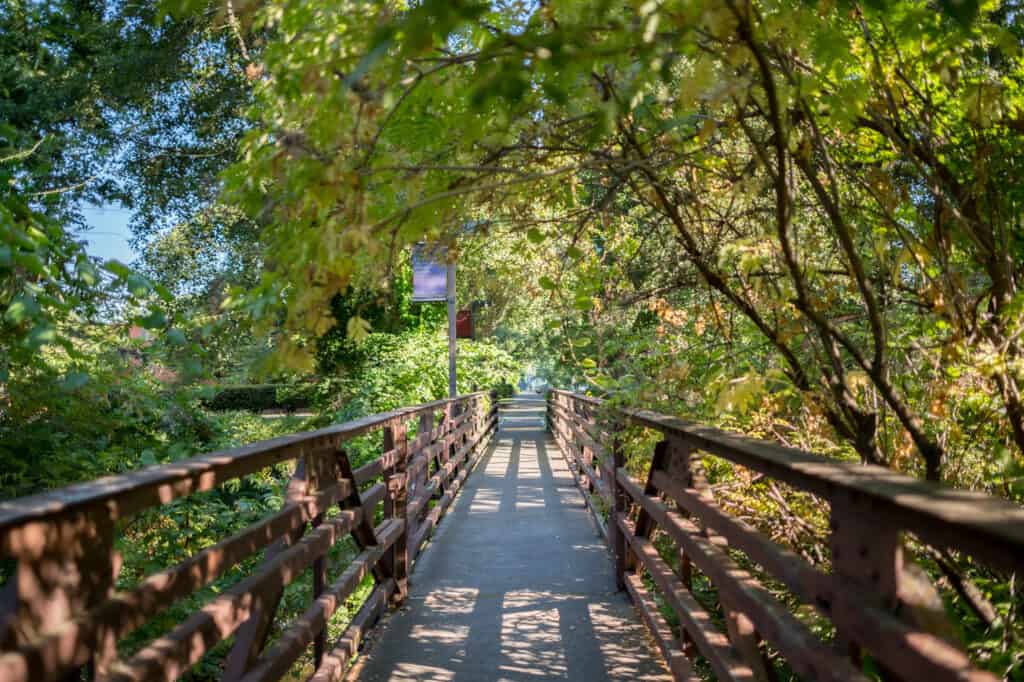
point(516, 583)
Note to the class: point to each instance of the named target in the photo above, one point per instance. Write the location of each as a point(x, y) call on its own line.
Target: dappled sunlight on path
point(517, 584)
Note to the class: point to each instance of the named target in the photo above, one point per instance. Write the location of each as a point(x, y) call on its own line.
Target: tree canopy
point(797, 219)
point(833, 184)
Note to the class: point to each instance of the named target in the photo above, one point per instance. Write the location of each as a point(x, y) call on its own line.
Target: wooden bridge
point(515, 583)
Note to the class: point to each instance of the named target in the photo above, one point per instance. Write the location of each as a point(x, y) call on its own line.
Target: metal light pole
point(450, 297)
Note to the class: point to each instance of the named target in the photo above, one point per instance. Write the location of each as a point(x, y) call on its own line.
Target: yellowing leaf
point(357, 329)
point(740, 394)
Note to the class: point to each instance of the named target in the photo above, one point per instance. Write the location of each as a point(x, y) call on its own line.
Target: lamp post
point(452, 347)
point(433, 279)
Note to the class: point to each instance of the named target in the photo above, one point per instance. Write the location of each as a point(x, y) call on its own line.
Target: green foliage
point(797, 220)
point(258, 397)
point(759, 165)
point(412, 368)
point(98, 418)
point(504, 390)
point(363, 309)
point(93, 95)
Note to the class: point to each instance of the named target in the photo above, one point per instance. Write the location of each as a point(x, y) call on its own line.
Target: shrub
point(259, 397)
point(504, 390)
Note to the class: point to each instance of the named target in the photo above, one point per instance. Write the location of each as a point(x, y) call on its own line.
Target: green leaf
point(155, 320)
point(20, 309)
point(546, 283)
point(41, 335)
point(117, 268)
point(138, 285)
point(963, 11)
point(87, 271)
point(534, 235)
point(193, 368)
point(31, 262)
point(163, 292)
point(583, 303)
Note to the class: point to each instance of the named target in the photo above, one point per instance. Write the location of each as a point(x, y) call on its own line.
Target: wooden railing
point(62, 618)
point(860, 594)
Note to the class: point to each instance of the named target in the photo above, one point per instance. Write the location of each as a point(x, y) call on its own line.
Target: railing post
point(867, 557)
point(548, 417)
point(426, 426)
point(396, 503)
point(416, 482)
point(478, 409)
point(574, 425)
point(63, 569)
point(449, 415)
point(586, 452)
point(618, 542)
point(644, 523)
point(252, 635)
point(322, 471)
point(460, 410)
point(478, 412)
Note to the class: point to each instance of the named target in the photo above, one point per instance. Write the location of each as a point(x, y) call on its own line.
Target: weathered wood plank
point(125, 494)
point(588, 499)
point(336, 663)
point(806, 654)
point(596, 479)
point(990, 529)
point(435, 514)
point(171, 655)
point(275, 662)
point(437, 482)
point(396, 560)
point(578, 433)
point(31, 526)
point(677, 662)
point(375, 468)
point(712, 643)
point(72, 645)
point(987, 527)
point(252, 633)
point(984, 526)
point(909, 653)
point(807, 583)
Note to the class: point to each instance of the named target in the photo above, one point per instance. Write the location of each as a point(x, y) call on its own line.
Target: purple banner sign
point(428, 272)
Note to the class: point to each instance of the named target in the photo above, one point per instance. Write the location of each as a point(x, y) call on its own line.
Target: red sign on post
point(464, 324)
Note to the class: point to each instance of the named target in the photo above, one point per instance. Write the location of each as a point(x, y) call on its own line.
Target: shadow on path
point(516, 584)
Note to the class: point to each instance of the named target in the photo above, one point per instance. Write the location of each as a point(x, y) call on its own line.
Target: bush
point(409, 369)
point(504, 390)
point(259, 397)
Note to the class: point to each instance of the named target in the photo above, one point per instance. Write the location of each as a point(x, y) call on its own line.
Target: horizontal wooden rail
point(860, 593)
point(61, 614)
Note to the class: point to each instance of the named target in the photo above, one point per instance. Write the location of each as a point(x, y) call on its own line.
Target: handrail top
point(930, 509)
point(159, 480)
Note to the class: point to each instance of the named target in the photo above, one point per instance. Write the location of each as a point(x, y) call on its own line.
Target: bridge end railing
point(61, 617)
point(859, 591)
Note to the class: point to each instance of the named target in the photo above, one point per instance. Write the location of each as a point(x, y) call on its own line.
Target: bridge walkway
point(516, 583)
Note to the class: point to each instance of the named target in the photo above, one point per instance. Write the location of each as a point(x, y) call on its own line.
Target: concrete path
point(516, 584)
